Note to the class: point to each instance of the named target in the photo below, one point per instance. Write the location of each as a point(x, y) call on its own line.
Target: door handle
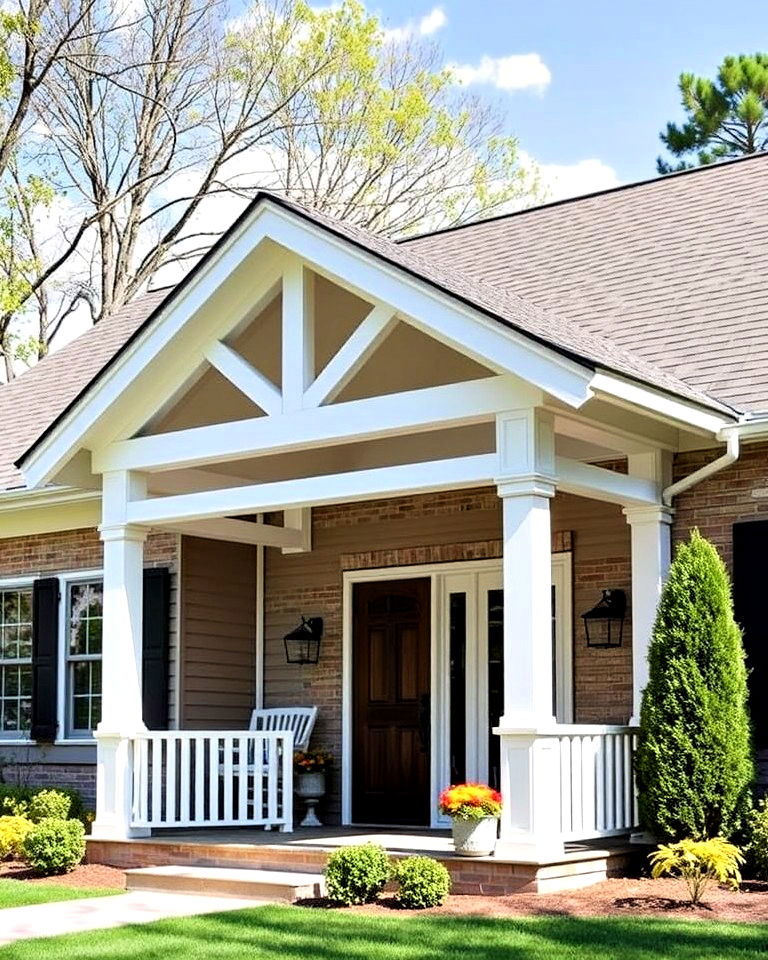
point(425, 722)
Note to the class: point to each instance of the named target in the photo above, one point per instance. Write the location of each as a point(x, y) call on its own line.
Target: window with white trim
point(84, 618)
point(15, 661)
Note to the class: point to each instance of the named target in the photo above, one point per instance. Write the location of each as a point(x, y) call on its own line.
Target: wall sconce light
point(302, 645)
point(604, 623)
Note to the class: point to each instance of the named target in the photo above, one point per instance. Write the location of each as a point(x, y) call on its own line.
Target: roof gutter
point(731, 455)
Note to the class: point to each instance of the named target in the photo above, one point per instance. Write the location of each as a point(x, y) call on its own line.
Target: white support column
point(651, 555)
point(530, 826)
point(121, 657)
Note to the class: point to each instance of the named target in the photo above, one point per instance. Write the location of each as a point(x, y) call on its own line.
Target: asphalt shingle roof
point(663, 282)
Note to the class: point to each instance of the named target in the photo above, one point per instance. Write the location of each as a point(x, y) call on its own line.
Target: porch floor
point(308, 849)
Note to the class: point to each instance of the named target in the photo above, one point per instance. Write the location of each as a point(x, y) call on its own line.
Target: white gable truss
point(270, 251)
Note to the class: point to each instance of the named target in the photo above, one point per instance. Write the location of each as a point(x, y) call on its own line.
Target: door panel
point(391, 690)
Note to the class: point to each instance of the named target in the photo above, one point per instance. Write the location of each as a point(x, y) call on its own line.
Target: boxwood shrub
point(422, 882)
point(54, 846)
point(13, 830)
point(357, 874)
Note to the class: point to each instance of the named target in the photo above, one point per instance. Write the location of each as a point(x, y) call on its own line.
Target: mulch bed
point(616, 897)
point(93, 875)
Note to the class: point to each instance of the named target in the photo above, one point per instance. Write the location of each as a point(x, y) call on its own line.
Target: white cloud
point(561, 180)
point(519, 71)
point(430, 23)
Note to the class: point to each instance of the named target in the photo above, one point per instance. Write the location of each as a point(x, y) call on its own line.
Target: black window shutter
point(156, 640)
point(45, 658)
point(750, 604)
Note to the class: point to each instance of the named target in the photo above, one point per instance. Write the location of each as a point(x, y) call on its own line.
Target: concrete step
point(279, 885)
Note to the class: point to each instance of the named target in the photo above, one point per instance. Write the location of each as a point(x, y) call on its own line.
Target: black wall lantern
point(302, 645)
point(604, 623)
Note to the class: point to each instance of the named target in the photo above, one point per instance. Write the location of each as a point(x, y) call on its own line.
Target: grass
point(21, 893)
point(284, 933)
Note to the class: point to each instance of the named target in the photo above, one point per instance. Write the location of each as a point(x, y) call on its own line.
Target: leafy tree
point(694, 761)
point(725, 118)
point(165, 116)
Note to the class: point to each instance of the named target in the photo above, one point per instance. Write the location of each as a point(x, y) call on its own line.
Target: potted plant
point(474, 810)
point(310, 767)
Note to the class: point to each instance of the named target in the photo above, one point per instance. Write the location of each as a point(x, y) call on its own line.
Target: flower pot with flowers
point(310, 768)
point(474, 809)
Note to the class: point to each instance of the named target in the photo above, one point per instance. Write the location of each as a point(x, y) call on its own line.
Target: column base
point(114, 831)
point(528, 848)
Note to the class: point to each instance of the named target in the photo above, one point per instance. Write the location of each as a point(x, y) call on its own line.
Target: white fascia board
point(439, 314)
point(56, 449)
point(28, 513)
point(356, 420)
point(671, 409)
point(400, 480)
point(597, 483)
point(24, 498)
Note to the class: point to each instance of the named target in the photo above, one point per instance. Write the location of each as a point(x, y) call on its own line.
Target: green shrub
point(694, 762)
point(55, 846)
point(422, 882)
point(49, 805)
point(357, 874)
point(15, 800)
point(697, 863)
point(757, 840)
point(13, 830)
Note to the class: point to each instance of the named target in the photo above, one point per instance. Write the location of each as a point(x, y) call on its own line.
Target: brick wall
point(65, 552)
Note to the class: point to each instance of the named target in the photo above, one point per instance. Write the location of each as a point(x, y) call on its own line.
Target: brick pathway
point(99, 913)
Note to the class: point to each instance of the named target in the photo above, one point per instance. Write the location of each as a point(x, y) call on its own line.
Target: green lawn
point(284, 933)
point(20, 893)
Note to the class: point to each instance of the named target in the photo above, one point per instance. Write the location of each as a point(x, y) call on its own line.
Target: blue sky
point(613, 69)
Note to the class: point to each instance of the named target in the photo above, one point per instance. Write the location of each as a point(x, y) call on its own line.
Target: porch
point(306, 850)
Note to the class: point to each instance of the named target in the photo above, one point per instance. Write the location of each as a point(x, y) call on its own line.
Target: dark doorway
point(391, 702)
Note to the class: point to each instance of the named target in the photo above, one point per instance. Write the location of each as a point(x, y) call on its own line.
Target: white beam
point(351, 356)
point(248, 380)
point(586, 480)
point(299, 522)
point(401, 480)
point(298, 344)
point(240, 531)
point(414, 411)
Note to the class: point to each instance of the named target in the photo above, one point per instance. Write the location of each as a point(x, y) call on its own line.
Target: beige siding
point(218, 630)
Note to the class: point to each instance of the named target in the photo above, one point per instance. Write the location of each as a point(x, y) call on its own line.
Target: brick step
point(279, 885)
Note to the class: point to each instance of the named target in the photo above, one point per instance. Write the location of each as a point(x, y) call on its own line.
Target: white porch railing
point(597, 790)
point(212, 779)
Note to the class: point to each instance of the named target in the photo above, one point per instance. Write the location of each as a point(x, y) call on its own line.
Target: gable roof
point(674, 269)
point(32, 405)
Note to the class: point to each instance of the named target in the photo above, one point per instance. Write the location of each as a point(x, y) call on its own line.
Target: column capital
point(111, 532)
point(660, 513)
point(530, 485)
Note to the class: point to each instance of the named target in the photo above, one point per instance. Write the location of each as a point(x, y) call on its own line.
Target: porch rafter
point(587, 480)
point(241, 531)
point(412, 411)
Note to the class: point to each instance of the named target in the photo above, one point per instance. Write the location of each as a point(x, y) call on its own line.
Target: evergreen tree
point(694, 759)
point(725, 118)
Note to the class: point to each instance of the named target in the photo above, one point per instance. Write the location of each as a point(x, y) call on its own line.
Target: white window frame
point(16, 583)
point(65, 581)
point(475, 578)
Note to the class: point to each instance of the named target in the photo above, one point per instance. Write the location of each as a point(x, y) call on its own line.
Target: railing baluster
point(157, 780)
point(229, 744)
point(242, 778)
point(272, 779)
point(185, 772)
point(213, 779)
point(170, 781)
point(199, 780)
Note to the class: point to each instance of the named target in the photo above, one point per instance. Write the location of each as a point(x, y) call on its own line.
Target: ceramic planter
point(475, 838)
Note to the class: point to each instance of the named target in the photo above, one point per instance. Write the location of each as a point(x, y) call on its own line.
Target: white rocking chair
point(301, 720)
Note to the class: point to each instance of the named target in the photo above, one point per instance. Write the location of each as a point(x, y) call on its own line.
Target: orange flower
point(470, 801)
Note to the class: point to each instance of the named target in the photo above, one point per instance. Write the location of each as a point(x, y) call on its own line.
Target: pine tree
point(725, 118)
point(694, 758)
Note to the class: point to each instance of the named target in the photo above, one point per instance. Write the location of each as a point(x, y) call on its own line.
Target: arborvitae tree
point(694, 757)
point(726, 117)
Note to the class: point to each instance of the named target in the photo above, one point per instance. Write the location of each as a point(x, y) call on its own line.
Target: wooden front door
point(391, 702)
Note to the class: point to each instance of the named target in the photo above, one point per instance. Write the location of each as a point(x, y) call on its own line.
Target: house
point(446, 450)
